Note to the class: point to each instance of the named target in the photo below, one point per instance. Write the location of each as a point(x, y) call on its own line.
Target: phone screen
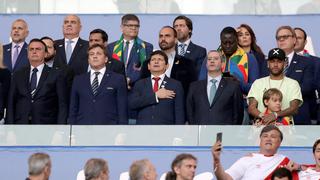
point(219, 137)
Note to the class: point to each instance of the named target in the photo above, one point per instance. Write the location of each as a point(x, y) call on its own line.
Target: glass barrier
point(134, 135)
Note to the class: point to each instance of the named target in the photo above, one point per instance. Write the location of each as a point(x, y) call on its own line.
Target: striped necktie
point(95, 83)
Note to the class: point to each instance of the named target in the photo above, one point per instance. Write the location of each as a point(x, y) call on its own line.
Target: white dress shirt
point(40, 68)
point(209, 83)
point(171, 57)
point(100, 76)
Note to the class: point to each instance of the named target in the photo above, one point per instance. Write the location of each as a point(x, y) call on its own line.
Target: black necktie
point(95, 83)
point(33, 81)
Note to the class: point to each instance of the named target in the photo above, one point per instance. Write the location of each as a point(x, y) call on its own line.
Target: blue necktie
point(213, 90)
point(69, 50)
point(33, 81)
point(182, 51)
point(15, 55)
point(95, 83)
point(125, 53)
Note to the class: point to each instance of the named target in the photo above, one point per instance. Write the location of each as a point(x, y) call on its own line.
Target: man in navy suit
point(38, 94)
point(179, 67)
point(72, 50)
point(15, 54)
point(299, 69)
point(158, 99)
point(299, 48)
point(99, 96)
point(99, 36)
point(185, 47)
point(130, 49)
point(216, 100)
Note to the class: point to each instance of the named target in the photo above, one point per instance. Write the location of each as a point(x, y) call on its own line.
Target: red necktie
point(156, 84)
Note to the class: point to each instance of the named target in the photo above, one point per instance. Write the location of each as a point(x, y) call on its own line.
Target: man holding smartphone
point(258, 165)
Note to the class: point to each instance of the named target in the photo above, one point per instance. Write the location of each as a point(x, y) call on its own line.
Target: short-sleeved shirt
point(309, 174)
point(255, 166)
point(289, 88)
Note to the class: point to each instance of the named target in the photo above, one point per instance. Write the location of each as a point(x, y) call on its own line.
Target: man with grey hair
point(142, 170)
point(39, 166)
point(96, 169)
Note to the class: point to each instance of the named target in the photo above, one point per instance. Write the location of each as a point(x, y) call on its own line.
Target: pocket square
point(299, 70)
point(109, 88)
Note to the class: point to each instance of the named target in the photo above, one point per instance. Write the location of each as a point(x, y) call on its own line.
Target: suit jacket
point(5, 77)
point(151, 112)
point(49, 104)
point(116, 66)
point(79, 58)
point(108, 106)
point(301, 70)
point(226, 108)
point(22, 59)
point(197, 54)
point(183, 70)
point(134, 66)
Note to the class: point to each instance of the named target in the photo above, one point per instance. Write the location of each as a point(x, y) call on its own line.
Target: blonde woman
point(5, 77)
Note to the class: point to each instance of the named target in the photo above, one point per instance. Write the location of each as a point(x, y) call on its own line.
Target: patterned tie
point(213, 90)
point(156, 84)
point(95, 83)
point(33, 81)
point(286, 67)
point(69, 50)
point(15, 55)
point(125, 53)
point(182, 49)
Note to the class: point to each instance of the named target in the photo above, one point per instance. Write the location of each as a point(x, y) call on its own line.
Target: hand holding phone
point(219, 137)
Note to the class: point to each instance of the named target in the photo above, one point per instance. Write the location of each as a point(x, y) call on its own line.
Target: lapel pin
point(177, 62)
point(8, 49)
point(188, 51)
point(294, 61)
point(60, 45)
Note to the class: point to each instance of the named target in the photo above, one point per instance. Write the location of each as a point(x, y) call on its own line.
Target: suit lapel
point(104, 81)
point(203, 88)
point(8, 60)
point(292, 65)
point(43, 77)
point(189, 49)
point(23, 52)
point(62, 51)
point(175, 66)
point(26, 77)
point(76, 50)
point(220, 89)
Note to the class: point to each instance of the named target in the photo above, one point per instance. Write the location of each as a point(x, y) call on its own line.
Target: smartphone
point(226, 74)
point(219, 137)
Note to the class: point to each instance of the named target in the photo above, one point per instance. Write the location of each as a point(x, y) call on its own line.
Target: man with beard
point(15, 54)
point(185, 47)
point(290, 89)
point(49, 61)
point(179, 67)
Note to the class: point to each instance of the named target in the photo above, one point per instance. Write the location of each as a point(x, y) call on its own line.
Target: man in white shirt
point(258, 165)
point(312, 172)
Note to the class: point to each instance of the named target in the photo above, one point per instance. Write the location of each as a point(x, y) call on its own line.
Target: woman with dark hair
point(182, 167)
point(5, 77)
point(248, 42)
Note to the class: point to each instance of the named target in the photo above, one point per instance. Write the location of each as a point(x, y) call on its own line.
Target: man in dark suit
point(130, 49)
point(99, 96)
point(179, 67)
point(299, 69)
point(72, 50)
point(15, 54)
point(185, 47)
point(216, 100)
point(299, 48)
point(38, 94)
point(50, 58)
point(158, 99)
point(99, 36)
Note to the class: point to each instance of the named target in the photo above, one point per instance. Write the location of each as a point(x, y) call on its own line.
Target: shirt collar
point(187, 42)
point(40, 67)
point(218, 78)
point(161, 76)
point(290, 56)
point(20, 44)
point(102, 71)
point(75, 40)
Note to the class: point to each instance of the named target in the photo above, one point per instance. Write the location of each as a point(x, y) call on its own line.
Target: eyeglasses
point(284, 37)
point(132, 25)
